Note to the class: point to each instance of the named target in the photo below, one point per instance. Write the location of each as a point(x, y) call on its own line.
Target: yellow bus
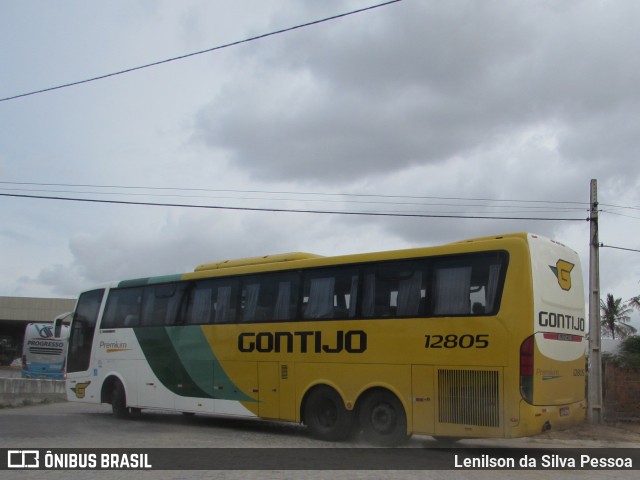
point(480, 338)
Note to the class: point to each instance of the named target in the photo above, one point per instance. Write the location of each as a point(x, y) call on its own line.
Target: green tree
point(635, 302)
point(615, 317)
point(629, 352)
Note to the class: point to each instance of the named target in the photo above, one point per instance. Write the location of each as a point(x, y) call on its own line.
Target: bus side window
point(395, 289)
point(212, 301)
point(123, 308)
point(270, 297)
point(452, 290)
point(469, 284)
point(487, 288)
point(200, 305)
point(162, 303)
point(330, 293)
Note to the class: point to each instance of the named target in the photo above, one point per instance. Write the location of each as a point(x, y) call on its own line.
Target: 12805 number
point(455, 341)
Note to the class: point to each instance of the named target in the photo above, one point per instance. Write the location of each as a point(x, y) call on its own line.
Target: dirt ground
point(608, 433)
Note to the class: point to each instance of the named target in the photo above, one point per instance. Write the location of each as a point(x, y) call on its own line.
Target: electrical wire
point(509, 208)
point(580, 206)
point(538, 209)
point(290, 210)
point(623, 207)
point(201, 52)
point(620, 214)
point(602, 245)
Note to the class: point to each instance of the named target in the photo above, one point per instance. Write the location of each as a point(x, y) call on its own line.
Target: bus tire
point(326, 416)
point(119, 401)
point(383, 419)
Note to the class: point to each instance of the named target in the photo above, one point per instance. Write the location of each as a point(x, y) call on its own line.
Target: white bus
point(45, 349)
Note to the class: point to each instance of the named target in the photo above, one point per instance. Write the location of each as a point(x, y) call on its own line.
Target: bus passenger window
point(212, 301)
point(200, 305)
point(225, 304)
point(123, 308)
point(270, 297)
point(330, 293)
point(394, 289)
point(469, 284)
point(162, 304)
point(453, 286)
point(320, 304)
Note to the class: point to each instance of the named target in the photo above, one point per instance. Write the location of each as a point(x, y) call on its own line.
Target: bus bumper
point(43, 375)
point(539, 419)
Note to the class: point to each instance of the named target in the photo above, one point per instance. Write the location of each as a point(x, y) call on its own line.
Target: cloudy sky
point(460, 108)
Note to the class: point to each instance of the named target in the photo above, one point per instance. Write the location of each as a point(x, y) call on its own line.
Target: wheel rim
point(383, 418)
point(327, 414)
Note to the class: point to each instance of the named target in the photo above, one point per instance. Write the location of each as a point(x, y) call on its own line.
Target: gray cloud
point(426, 82)
point(491, 99)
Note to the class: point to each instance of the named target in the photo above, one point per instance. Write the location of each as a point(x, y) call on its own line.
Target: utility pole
point(594, 401)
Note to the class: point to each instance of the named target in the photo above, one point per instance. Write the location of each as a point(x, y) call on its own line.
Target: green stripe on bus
point(202, 365)
point(165, 362)
point(182, 360)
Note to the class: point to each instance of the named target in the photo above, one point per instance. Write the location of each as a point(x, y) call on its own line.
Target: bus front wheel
point(119, 401)
point(326, 416)
point(383, 419)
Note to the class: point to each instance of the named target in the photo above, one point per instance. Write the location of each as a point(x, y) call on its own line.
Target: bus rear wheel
point(119, 401)
point(326, 416)
point(383, 419)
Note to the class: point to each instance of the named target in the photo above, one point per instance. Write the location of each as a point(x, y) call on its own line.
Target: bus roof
point(495, 237)
point(302, 259)
point(243, 262)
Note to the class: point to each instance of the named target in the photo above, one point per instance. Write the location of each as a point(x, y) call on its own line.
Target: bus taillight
point(526, 368)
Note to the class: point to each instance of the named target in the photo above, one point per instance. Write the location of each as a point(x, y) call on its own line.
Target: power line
point(289, 210)
point(537, 209)
point(620, 214)
point(208, 50)
point(602, 245)
point(625, 207)
point(323, 194)
point(439, 207)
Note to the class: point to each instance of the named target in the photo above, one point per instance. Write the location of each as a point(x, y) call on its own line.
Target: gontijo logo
point(80, 389)
point(562, 271)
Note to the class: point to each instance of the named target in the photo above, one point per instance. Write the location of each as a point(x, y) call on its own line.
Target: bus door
point(269, 389)
point(80, 378)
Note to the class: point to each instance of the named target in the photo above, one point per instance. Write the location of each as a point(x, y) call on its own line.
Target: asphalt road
point(77, 426)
